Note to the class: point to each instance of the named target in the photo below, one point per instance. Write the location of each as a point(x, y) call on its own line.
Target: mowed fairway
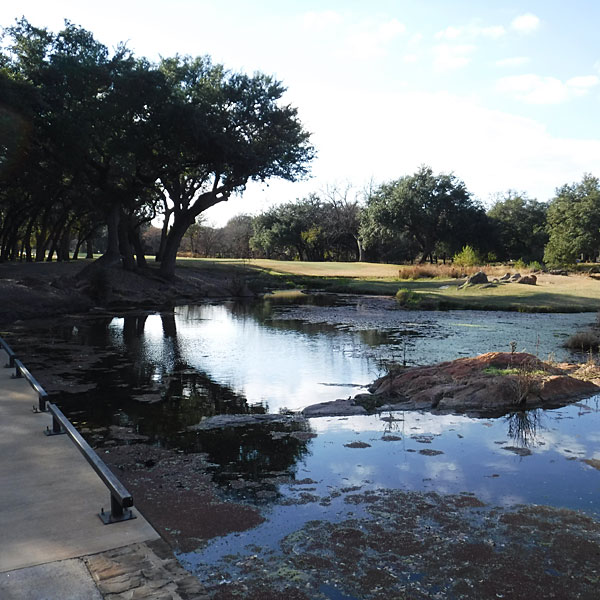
point(553, 293)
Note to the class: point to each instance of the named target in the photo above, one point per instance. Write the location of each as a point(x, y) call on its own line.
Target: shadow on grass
point(436, 294)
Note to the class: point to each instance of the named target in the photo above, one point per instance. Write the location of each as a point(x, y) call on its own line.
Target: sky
point(503, 94)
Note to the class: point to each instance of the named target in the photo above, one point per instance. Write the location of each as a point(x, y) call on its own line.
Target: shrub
point(407, 298)
point(467, 257)
point(417, 272)
point(583, 341)
point(535, 266)
point(520, 265)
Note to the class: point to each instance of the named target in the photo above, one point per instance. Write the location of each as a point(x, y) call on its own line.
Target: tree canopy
point(574, 223)
point(422, 214)
point(93, 138)
point(519, 226)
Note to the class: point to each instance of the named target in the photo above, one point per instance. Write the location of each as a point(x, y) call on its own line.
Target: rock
point(515, 277)
point(342, 407)
point(219, 421)
point(505, 277)
point(558, 272)
point(528, 280)
point(490, 384)
point(476, 278)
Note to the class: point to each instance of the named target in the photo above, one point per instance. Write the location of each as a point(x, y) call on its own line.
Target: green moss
point(513, 371)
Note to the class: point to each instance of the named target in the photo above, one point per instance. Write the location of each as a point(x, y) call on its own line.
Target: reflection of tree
point(393, 423)
point(523, 426)
point(255, 451)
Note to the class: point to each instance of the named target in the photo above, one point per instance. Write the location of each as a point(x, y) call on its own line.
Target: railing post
point(117, 512)
point(42, 405)
point(120, 498)
point(57, 428)
point(9, 352)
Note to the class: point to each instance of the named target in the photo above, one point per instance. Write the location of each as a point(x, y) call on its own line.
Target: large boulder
point(528, 280)
point(476, 278)
point(488, 385)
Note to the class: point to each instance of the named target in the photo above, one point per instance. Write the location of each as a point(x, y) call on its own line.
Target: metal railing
point(22, 371)
point(121, 500)
point(11, 355)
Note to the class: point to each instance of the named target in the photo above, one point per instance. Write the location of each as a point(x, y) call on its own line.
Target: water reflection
point(524, 427)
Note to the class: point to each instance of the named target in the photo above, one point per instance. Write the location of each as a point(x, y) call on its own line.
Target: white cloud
point(321, 20)
point(452, 33)
point(581, 85)
point(370, 40)
point(390, 30)
point(494, 31)
point(488, 149)
point(514, 61)
point(527, 23)
point(447, 57)
point(535, 89)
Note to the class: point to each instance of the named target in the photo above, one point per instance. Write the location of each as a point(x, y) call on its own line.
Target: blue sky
point(503, 94)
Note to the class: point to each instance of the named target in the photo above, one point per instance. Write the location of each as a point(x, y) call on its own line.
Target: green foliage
point(520, 264)
point(309, 229)
point(113, 140)
point(535, 266)
point(519, 370)
point(419, 215)
point(574, 223)
point(408, 298)
point(467, 257)
point(519, 227)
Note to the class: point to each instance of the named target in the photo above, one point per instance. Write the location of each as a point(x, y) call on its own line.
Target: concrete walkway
point(49, 503)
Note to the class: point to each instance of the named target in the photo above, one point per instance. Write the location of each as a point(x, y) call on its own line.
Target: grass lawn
point(553, 293)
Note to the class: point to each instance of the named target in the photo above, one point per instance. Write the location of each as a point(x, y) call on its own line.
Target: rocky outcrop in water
point(490, 384)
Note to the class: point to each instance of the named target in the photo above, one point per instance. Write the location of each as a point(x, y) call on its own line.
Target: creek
point(160, 373)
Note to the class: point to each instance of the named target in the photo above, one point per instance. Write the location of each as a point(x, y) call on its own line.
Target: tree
point(422, 214)
point(574, 223)
point(90, 156)
point(292, 230)
point(342, 212)
point(519, 224)
point(236, 237)
point(115, 139)
point(221, 130)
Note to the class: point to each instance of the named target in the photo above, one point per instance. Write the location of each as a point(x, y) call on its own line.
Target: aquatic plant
point(583, 341)
point(408, 298)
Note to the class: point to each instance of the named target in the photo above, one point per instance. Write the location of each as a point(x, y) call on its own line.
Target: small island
point(490, 384)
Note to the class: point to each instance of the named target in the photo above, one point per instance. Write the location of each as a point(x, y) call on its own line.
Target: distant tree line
point(94, 142)
point(97, 145)
point(417, 218)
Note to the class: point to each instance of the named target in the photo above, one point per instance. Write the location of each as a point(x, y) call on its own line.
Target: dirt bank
point(29, 290)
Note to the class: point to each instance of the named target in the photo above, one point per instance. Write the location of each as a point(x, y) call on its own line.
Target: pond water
point(289, 356)
point(160, 373)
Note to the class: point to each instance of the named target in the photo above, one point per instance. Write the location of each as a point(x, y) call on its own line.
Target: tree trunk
point(136, 242)
point(361, 250)
point(125, 247)
point(169, 256)
point(163, 237)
